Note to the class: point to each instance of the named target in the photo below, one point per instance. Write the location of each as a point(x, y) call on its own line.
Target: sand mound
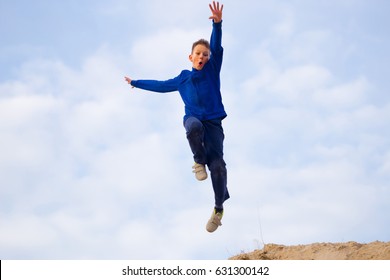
point(321, 251)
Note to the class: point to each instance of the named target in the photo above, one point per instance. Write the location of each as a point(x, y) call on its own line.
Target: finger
point(212, 8)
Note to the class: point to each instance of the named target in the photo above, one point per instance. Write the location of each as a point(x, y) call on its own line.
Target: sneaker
point(214, 221)
point(200, 171)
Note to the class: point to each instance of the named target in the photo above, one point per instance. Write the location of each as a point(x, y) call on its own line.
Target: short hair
point(200, 42)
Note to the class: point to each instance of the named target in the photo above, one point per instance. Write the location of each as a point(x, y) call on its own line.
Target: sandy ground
point(321, 251)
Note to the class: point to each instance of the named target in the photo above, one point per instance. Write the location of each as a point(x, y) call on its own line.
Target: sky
point(92, 169)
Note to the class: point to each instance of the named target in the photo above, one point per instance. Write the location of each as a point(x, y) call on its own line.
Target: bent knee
point(194, 128)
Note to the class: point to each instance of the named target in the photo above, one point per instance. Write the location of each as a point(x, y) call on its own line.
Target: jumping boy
point(204, 111)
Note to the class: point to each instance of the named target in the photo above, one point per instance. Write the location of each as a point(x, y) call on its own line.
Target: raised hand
point(216, 11)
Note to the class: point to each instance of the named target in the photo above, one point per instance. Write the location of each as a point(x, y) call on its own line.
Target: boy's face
point(199, 57)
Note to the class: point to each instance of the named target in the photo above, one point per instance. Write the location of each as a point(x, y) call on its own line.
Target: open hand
point(128, 80)
point(217, 12)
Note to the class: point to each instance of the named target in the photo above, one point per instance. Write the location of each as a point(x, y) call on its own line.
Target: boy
point(204, 111)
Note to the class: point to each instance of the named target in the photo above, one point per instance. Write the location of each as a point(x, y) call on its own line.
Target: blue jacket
point(199, 89)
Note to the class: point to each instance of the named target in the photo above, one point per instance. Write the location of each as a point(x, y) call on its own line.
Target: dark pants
point(206, 143)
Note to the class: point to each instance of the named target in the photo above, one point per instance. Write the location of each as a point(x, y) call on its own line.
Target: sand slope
point(321, 251)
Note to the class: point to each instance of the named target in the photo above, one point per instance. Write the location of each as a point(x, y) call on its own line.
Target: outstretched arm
point(154, 85)
point(216, 34)
point(216, 10)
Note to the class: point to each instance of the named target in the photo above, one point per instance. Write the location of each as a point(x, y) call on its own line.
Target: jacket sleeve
point(216, 45)
point(157, 86)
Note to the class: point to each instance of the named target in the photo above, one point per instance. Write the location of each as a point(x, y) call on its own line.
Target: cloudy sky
point(92, 169)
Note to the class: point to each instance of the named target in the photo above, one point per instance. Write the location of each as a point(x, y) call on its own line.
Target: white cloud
point(347, 95)
point(297, 81)
point(148, 61)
